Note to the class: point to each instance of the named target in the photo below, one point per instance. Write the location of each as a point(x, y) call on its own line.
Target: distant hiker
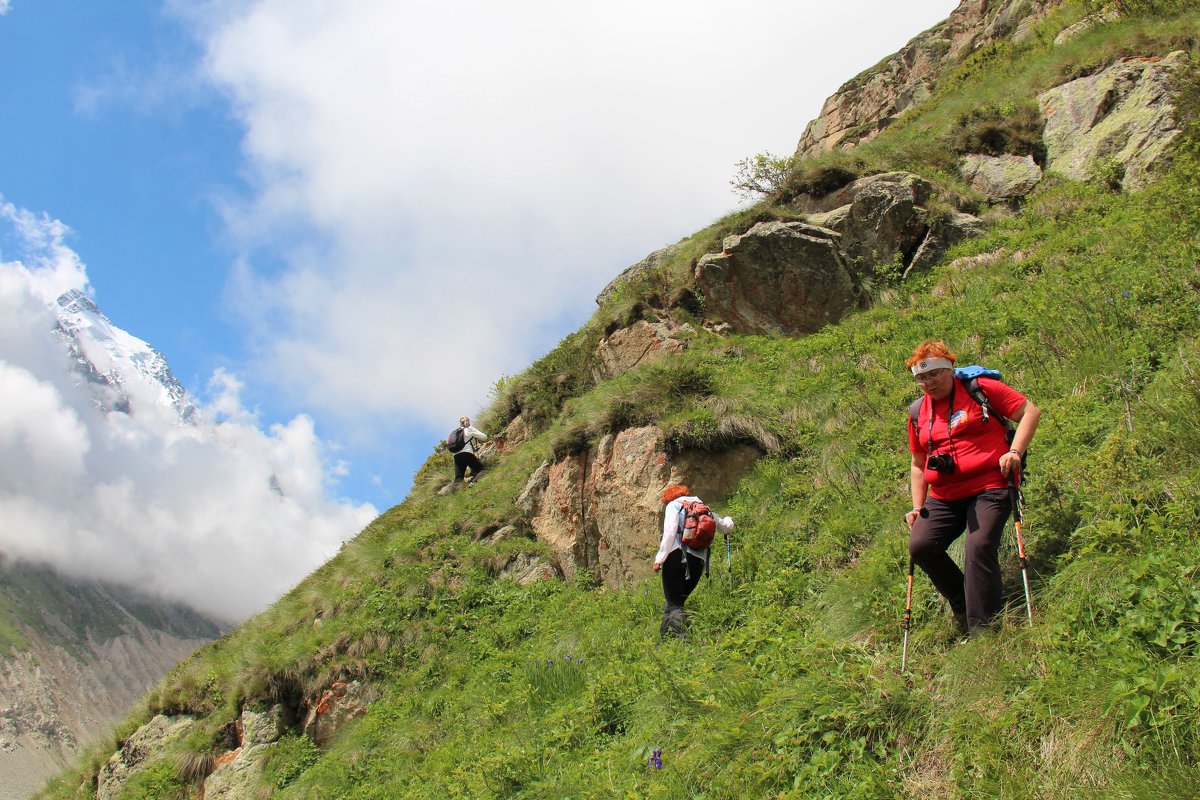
point(461, 442)
point(686, 519)
point(962, 458)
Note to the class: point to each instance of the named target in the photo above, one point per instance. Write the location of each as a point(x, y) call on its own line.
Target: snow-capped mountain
point(123, 372)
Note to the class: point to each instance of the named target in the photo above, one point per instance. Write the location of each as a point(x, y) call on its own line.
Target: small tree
point(761, 175)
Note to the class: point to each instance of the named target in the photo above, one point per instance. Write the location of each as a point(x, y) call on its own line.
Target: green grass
point(789, 686)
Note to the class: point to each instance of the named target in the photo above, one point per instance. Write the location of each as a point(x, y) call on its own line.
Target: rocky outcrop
point(601, 511)
point(236, 774)
point(1120, 120)
point(778, 277)
point(647, 264)
point(943, 234)
point(885, 221)
point(867, 104)
point(643, 342)
point(1001, 179)
point(146, 743)
point(1086, 24)
point(341, 703)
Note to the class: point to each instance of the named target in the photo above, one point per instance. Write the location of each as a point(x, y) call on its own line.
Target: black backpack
point(456, 441)
point(969, 376)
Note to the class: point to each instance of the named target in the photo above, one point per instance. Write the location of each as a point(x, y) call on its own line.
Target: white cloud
point(440, 183)
point(221, 514)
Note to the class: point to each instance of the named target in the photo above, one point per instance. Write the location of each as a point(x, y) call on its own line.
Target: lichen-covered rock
point(146, 742)
point(341, 703)
point(1087, 23)
point(1001, 179)
point(236, 773)
point(601, 510)
point(527, 569)
point(1120, 119)
point(778, 277)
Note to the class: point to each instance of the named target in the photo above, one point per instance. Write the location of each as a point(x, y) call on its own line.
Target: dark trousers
point(464, 460)
point(678, 584)
point(976, 590)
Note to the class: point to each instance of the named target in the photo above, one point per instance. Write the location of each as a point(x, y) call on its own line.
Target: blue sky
point(367, 212)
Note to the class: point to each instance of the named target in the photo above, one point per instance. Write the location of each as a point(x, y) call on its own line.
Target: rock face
point(642, 342)
point(236, 772)
point(1119, 118)
point(866, 104)
point(1001, 179)
point(601, 510)
point(779, 277)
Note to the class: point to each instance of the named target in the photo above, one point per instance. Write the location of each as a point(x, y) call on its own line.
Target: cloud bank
point(441, 189)
point(221, 515)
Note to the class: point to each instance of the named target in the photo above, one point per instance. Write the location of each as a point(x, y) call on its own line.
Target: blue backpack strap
point(969, 376)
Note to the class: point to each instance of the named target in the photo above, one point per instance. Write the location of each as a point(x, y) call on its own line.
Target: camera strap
point(949, 415)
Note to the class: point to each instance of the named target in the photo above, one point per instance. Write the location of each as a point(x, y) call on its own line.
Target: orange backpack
point(699, 524)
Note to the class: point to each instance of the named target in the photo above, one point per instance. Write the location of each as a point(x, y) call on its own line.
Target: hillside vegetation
point(790, 684)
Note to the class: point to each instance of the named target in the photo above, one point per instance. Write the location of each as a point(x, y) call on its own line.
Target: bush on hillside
point(996, 130)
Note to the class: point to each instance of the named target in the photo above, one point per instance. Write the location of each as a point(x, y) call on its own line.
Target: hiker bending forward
point(961, 464)
point(466, 457)
point(681, 566)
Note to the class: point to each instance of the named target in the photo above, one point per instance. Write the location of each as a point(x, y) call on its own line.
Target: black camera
point(942, 462)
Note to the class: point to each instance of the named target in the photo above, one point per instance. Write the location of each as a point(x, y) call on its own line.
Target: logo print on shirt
point(958, 418)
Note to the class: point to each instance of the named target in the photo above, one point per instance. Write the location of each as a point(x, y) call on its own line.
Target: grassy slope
point(790, 685)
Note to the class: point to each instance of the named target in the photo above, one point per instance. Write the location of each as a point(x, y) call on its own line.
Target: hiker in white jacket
point(466, 457)
point(680, 576)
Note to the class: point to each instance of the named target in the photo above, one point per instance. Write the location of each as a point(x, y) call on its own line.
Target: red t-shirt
point(975, 444)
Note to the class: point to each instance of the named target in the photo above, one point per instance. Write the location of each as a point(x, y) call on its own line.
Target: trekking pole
point(907, 616)
point(1014, 491)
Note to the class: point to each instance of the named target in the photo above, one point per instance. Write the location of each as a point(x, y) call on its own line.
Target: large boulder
point(601, 510)
point(1120, 120)
point(1001, 179)
point(778, 277)
point(886, 220)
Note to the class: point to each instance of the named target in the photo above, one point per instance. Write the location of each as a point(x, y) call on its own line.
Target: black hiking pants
point(464, 460)
point(976, 591)
point(678, 583)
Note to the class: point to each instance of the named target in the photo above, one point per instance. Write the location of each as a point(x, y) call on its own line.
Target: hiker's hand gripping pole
point(1014, 491)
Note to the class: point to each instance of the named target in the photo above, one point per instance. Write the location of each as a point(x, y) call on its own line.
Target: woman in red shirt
point(961, 461)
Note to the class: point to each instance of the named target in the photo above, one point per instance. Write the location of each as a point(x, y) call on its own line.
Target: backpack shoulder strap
point(976, 391)
point(914, 411)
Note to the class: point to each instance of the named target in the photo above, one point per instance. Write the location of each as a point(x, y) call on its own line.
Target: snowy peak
point(124, 373)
